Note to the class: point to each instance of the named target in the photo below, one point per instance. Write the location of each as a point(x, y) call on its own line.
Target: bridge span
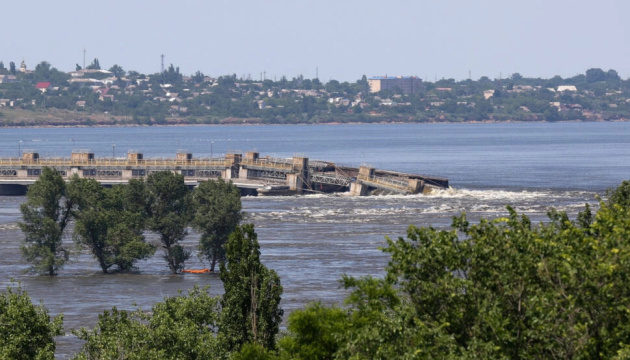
point(253, 174)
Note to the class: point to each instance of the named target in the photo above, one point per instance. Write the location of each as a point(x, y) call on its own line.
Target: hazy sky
point(344, 39)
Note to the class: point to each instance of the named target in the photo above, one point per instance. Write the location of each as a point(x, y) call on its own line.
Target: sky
point(331, 39)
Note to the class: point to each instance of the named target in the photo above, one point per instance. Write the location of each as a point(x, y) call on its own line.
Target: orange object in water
point(196, 271)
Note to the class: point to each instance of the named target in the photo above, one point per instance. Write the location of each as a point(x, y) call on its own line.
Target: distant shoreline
point(44, 126)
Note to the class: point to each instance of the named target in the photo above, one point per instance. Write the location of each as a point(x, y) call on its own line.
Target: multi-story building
point(408, 84)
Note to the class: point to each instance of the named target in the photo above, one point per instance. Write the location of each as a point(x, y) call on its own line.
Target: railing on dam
point(265, 163)
point(399, 185)
point(332, 179)
point(105, 162)
point(298, 174)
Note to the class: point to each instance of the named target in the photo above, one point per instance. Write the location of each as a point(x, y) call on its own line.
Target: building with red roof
point(42, 86)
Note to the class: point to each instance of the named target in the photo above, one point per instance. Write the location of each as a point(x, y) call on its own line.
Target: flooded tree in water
point(110, 222)
point(169, 211)
point(217, 213)
point(45, 215)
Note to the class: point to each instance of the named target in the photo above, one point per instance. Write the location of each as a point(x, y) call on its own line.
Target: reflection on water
point(309, 240)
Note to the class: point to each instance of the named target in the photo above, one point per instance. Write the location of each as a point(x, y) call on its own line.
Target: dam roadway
point(252, 174)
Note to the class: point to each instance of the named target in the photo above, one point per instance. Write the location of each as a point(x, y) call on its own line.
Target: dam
point(253, 174)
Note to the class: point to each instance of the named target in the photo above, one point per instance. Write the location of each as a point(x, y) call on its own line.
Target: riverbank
point(56, 118)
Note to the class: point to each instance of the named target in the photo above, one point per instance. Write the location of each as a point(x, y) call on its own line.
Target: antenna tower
point(162, 56)
point(84, 58)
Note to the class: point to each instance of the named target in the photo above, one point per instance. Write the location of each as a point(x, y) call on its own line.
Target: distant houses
point(570, 88)
point(43, 86)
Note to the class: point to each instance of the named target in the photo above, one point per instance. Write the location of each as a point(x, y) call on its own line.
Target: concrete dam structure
point(252, 174)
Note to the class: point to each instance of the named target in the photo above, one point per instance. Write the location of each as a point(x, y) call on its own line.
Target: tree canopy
point(499, 288)
point(217, 205)
point(502, 288)
point(169, 214)
point(27, 330)
point(179, 328)
point(251, 310)
point(110, 222)
point(46, 214)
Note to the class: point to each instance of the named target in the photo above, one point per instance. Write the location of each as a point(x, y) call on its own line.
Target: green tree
point(95, 65)
point(42, 70)
point(551, 114)
point(117, 71)
point(315, 332)
point(169, 214)
point(45, 215)
point(12, 68)
point(26, 330)
point(251, 310)
point(502, 288)
point(109, 223)
point(217, 207)
point(198, 77)
point(620, 196)
point(595, 75)
point(253, 351)
point(180, 327)
point(612, 76)
point(483, 109)
point(516, 77)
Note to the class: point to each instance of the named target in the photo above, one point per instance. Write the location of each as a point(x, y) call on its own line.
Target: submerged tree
point(45, 214)
point(251, 310)
point(26, 330)
point(110, 222)
point(169, 214)
point(217, 213)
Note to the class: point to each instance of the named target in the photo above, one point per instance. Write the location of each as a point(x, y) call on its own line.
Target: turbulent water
point(312, 240)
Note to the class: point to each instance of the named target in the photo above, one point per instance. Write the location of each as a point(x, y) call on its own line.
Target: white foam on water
point(9, 226)
point(506, 195)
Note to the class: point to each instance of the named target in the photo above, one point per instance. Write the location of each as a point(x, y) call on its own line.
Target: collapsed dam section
point(252, 174)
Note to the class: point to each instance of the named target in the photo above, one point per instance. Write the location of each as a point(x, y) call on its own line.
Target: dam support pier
point(253, 174)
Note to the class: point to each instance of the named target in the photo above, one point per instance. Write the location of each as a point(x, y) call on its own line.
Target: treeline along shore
point(45, 96)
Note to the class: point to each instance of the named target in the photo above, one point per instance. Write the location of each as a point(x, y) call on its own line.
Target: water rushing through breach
point(312, 240)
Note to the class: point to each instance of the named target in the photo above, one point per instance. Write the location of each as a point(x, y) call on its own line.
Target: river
point(312, 240)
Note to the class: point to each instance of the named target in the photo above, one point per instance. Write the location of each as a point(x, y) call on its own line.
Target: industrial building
point(407, 84)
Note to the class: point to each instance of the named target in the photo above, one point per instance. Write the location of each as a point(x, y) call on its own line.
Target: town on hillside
point(91, 95)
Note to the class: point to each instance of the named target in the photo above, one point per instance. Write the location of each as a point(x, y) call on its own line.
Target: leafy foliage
point(169, 214)
point(180, 327)
point(45, 214)
point(26, 330)
point(502, 288)
point(316, 332)
point(251, 310)
point(110, 222)
point(217, 213)
point(253, 351)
